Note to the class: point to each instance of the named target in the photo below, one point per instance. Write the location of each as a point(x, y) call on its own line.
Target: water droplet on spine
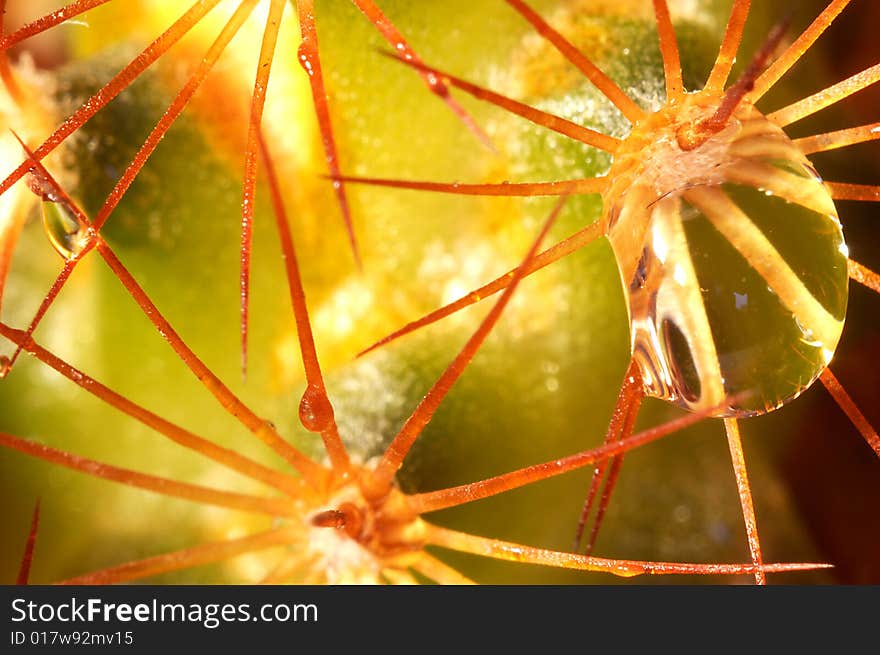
point(305, 56)
point(315, 410)
point(737, 293)
point(65, 233)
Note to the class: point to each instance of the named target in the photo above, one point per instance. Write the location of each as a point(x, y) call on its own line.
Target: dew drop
point(304, 55)
point(66, 235)
point(736, 293)
point(315, 410)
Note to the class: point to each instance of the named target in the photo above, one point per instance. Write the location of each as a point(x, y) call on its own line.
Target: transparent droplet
point(315, 410)
point(305, 55)
point(737, 294)
point(65, 233)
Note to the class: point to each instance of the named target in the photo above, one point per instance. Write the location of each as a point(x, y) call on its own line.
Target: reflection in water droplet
point(65, 234)
point(315, 410)
point(707, 319)
point(736, 293)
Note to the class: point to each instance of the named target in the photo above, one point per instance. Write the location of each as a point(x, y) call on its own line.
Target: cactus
point(543, 384)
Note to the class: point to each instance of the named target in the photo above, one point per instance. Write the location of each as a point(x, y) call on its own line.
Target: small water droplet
point(315, 410)
point(66, 235)
point(304, 55)
point(5, 365)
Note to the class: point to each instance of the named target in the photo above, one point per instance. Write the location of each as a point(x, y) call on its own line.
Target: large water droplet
point(736, 296)
point(315, 410)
